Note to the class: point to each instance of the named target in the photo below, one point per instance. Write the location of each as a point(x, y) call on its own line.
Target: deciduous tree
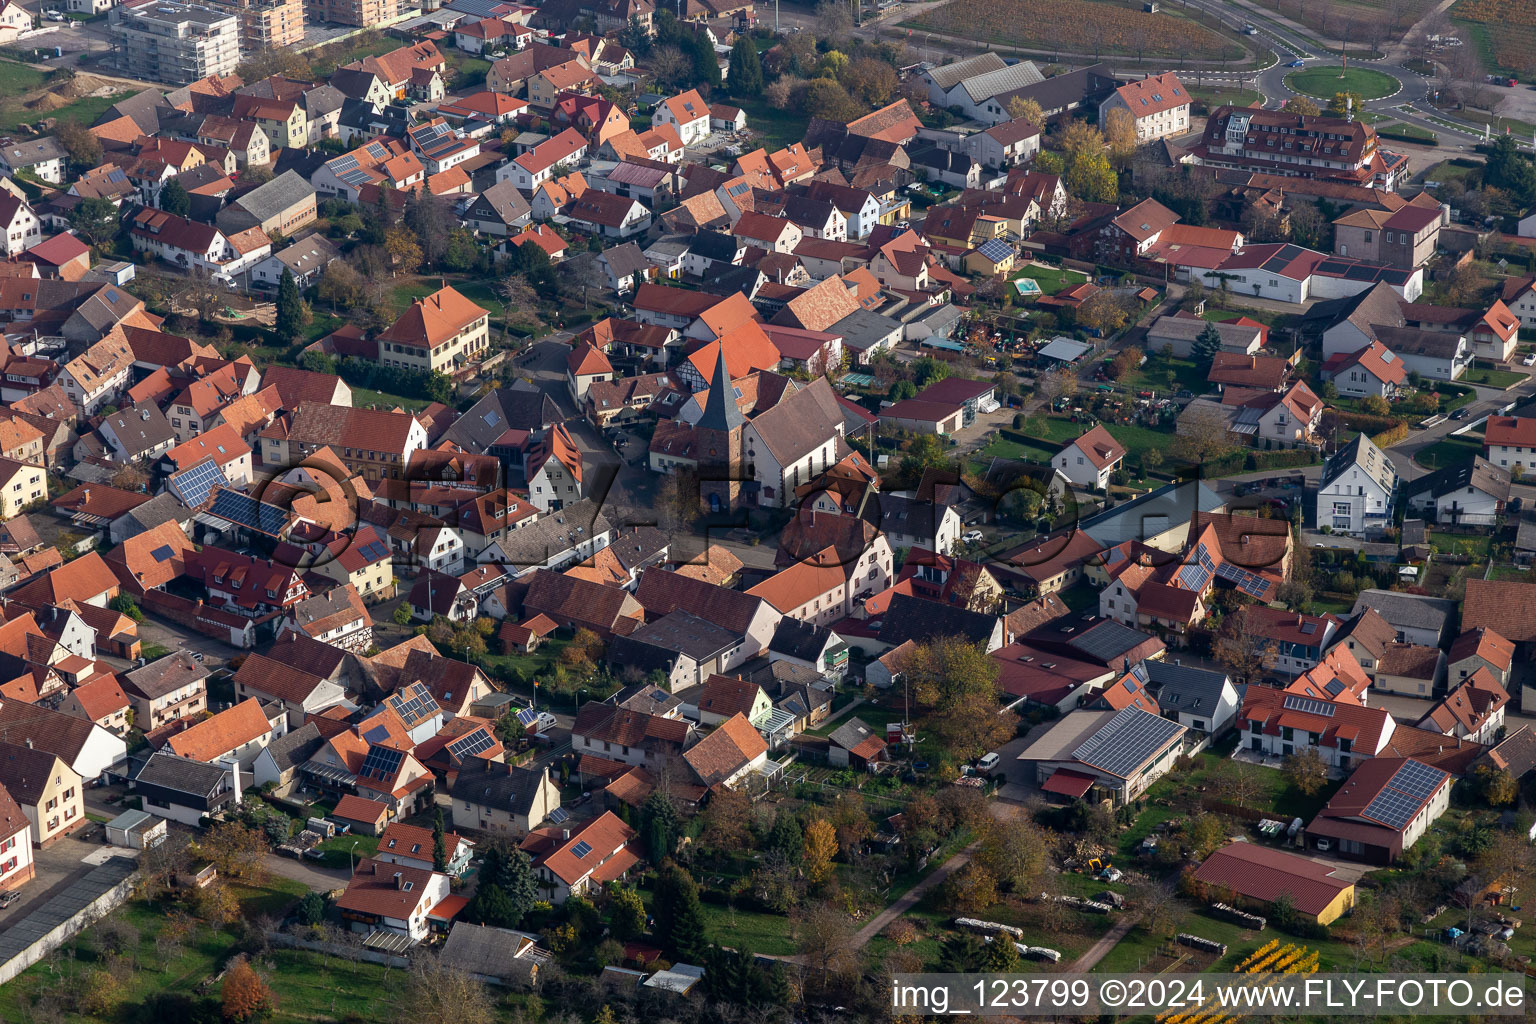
point(820, 848)
point(244, 995)
point(1203, 435)
point(1307, 771)
point(1245, 655)
point(1026, 109)
point(1120, 134)
point(436, 993)
point(954, 686)
point(1302, 105)
point(95, 220)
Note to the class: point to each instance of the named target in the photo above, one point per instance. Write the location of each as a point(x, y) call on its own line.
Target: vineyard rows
point(1076, 26)
point(1509, 27)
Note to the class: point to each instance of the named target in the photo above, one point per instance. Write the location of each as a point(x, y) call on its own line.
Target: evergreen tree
point(961, 954)
point(174, 198)
point(680, 916)
point(289, 319)
point(706, 66)
point(746, 72)
point(662, 826)
point(508, 887)
point(786, 839)
point(439, 840)
point(1207, 345)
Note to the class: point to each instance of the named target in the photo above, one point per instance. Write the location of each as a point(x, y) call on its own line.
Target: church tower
point(718, 444)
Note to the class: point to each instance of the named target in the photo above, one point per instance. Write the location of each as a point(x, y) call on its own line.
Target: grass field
point(1413, 131)
point(1453, 170)
point(1215, 96)
point(778, 128)
point(1449, 451)
point(1324, 82)
point(1323, 16)
point(1474, 544)
point(16, 79)
point(1492, 378)
point(1076, 26)
point(1153, 375)
point(1050, 279)
point(362, 397)
point(1002, 448)
point(340, 851)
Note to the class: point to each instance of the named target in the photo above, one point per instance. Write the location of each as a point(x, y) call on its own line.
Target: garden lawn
point(362, 398)
point(1153, 375)
point(339, 850)
point(312, 986)
point(778, 128)
point(1492, 378)
point(16, 78)
point(872, 715)
point(1138, 439)
point(1324, 82)
point(1050, 279)
point(751, 929)
point(1452, 170)
point(1276, 796)
point(1002, 448)
point(1449, 451)
point(1223, 96)
point(1474, 545)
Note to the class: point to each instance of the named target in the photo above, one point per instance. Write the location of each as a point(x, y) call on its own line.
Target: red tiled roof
point(225, 731)
point(1265, 874)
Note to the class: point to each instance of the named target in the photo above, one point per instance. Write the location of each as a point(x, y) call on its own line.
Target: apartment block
point(176, 43)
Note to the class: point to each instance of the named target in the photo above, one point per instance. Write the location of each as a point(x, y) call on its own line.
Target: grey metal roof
point(296, 747)
point(550, 535)
point(180, 774)
point(1362, 451)
point(683, 631)
point(1185, 688)
point(863, 328)
point(270, 200)
point(487, 952)
point(1107, 640)
point(164, 675)
point(851, 733)
point(950, 75)
point(492, 784)
point(1412, 610)
point(1152, 513)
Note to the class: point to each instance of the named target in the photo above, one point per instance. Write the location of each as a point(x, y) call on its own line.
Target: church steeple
point(720, 409)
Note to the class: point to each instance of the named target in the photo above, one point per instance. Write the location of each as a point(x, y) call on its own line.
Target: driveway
point(58, 866)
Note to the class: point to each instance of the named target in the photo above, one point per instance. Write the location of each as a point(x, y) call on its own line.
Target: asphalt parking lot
point(61, 863)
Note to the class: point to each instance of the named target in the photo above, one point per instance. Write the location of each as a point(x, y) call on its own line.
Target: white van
point(988, 762)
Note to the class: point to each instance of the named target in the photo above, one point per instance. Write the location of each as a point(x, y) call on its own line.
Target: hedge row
point(1387, 133)
point(1391, 436)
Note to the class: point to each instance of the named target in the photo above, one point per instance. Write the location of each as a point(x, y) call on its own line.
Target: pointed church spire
point(720, 409)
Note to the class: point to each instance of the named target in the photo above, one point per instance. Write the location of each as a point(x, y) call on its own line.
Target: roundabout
point(1323, 81)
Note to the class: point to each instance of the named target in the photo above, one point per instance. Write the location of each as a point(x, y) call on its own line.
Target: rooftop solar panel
point(381, 763)
point(162, 552)
point(559, 816)
point(1309, 706)
point(193, 485)
point(1404, 793)
point(246, 511)
point(527, 716)
point(1125, 742)
point(581, 849)
point(1107, 640)
point(477, 742)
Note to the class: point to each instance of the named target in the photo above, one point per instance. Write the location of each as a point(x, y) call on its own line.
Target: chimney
point(29, 742)
point(566, 833)
point(399, 880)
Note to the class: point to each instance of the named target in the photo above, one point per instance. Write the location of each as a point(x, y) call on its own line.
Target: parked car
point(1460, 414)
point(988, 761)
point(971, 536)
point(7, 898)
point(1529, 360)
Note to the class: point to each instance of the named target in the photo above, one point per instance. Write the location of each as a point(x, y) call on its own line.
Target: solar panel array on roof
point(246, 511)
point(1197, 572)
point(1126, 741)
point(162, 552)
point(581, 849)
point(1308, 705)
point(474, 743)
point(1335, 687)
point(527, 716)
point(343, 164)
point(1282, 257)
point(381, 763)
point(1108, 639)
point(1247, 582)
point(375, 734)
point(995, 249)
point(410, 705)
point(193, 485)
point(559, 816)
point(373, 550)
point(1405, 792)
